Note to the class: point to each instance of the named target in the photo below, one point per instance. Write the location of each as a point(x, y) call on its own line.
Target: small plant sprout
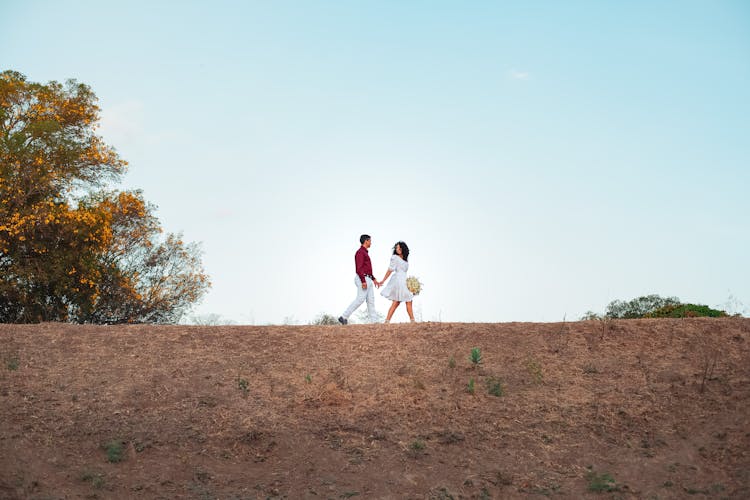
point(416, 448)
point(476, 356)
point(417, 445)
point(308, 378)
point(96, 480)
point(12, 363)
point(115, 451)
point(452, 362)
point(535, 370)
point(494, 387)
point(243, 385)
point(470, 386)
point(601, 482)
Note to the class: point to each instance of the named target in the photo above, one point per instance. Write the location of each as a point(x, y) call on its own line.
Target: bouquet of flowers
point(414, 285)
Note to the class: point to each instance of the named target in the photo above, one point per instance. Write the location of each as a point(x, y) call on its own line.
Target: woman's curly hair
point(404, 250)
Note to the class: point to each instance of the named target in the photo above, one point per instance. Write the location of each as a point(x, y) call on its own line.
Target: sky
point(540, 159)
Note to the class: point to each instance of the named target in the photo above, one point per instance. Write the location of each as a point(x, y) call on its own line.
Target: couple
point(395, 290)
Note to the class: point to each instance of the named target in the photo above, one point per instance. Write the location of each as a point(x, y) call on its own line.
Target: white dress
point(396, 288)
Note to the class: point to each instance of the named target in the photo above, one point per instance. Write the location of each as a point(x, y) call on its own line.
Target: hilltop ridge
point(643, 408)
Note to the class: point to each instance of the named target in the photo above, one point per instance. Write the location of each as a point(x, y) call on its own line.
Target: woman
point(396, 289)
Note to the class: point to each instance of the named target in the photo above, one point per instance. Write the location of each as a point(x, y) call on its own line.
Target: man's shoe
point(342, 320)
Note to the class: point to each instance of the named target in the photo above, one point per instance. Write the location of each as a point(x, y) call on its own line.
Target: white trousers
point(363, 295)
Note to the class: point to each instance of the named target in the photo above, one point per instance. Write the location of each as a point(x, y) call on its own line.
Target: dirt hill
point(619, 409)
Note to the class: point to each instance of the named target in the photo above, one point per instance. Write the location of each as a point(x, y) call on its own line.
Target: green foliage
point(494, 387)
point(96, 480)
point(476, 356)
point(308, 378)
point(325, 319)
point(115, 451)
point(590, 316)
point(638, 308)
point(452, 362)
point(417, 445)
point(654, 306)
point(470, 386)
point(12, 363)
point(416, 448)
point(243, 384)
point(535, 370)
point(70, 250)
point(601, 482)
point(686, 311)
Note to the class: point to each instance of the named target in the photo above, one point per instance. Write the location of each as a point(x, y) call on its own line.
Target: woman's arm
point(386, 276)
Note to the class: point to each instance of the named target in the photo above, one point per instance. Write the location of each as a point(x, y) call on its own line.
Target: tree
point(638, 308)
point(70, 250)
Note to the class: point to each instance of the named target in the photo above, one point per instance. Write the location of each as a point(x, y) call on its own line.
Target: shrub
point(686, 311)
point(601, 482)
point(589, 316)
point(325, 319)
point(12, 363)
point(476, 356)
point(243, 384)
point(115, 451)
point(494, 387)
point(654, 306)
point(535, 370)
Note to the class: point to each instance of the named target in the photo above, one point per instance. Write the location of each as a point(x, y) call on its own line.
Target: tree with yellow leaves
point(70, 250)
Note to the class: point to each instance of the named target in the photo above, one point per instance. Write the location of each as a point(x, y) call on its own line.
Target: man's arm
point(359, 263)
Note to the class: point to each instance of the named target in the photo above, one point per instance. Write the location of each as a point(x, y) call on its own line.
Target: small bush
point(96, 480)
point(416, 448)
point(476, 356)
point(243, 385)
point(535, 370)
point(325, 319)
point(590, 316)
point(115, 451)
point(494, 387)
point(601, 482)
point(686, 311)
point(12, 363)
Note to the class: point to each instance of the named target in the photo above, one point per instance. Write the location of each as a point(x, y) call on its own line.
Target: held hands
point(377, 284)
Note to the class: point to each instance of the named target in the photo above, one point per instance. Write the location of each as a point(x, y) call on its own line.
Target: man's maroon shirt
point(363, 264)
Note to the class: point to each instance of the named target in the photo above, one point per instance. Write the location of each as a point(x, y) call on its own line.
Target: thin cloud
point(519, 75)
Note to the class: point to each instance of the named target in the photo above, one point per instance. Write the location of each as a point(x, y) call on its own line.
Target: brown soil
point(377, 411)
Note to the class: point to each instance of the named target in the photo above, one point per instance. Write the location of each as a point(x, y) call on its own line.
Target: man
point(364, 281)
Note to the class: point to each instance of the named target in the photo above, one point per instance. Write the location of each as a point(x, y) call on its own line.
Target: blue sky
point(541, 159)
